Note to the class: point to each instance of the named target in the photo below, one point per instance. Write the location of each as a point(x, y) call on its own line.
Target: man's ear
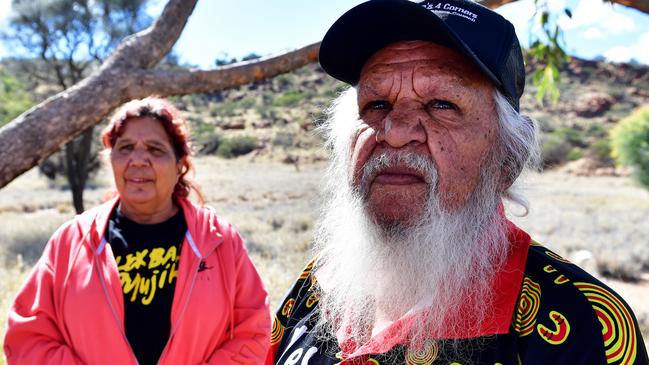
point(509, 172)
point(511, 166)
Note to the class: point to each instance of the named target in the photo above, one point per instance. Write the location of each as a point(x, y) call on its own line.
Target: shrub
point(210, 145)
point(575, 154)
point(596, 131)
point(573, 136)
point(283, 138)
point(600, 150)
point(630, 143)
point(229, 108)
point(236, 146)
point(289, 98)
point(561, 145)
point(14, 98)
point(554, 149)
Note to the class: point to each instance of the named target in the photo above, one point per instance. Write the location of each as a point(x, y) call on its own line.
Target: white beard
point(372, 275)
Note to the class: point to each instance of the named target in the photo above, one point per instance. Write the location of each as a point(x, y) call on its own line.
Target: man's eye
point(377, 105)
point(441, 104)
point(125, 148)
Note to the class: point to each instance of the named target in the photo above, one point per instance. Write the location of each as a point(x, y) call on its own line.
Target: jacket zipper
point(175, 326)
point(113, 310)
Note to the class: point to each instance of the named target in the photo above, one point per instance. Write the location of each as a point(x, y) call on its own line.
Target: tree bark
point(126, 75)
point(641, 5)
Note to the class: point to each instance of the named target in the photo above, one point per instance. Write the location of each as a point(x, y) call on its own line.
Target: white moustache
point(375, 165)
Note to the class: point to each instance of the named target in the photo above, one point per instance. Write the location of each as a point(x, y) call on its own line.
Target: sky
point(228, 28)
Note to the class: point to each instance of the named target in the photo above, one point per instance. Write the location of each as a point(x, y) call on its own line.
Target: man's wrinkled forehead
point(422, 58)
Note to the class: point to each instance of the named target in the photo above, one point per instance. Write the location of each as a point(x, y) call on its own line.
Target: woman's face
point(145, 169)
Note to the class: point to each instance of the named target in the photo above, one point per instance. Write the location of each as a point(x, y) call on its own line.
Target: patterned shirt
point(562, 315)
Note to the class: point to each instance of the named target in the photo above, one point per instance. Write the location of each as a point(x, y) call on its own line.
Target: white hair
point(369, 273)
point(519, 140)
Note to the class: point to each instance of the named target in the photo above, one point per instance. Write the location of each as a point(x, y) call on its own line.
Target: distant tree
point(14, 98)
point(630, 143)
point(250, 56)
point(224, 60)
point(67, 39)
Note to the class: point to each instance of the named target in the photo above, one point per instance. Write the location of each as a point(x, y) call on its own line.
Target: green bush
point(236, 146)
point(561, 145)
point(575, 154)
point(600, 150)
point(554, 150)
point(230, 108)
point(289, 98)
point(283, 139)
point(573, 136)
point(14, 99)
point(630, 143)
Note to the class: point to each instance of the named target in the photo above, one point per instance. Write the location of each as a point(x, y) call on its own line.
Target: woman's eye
point(125, 148)
point(156, 151)
point(441, 104)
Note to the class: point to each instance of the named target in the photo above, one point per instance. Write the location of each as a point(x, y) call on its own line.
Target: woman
point(148, 277)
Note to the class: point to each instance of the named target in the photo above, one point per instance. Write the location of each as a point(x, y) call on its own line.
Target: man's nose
point(403, 126)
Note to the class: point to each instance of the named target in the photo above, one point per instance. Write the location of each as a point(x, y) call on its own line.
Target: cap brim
point(369, 27)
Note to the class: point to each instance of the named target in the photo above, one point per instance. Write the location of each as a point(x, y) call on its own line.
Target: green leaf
point(544, 18)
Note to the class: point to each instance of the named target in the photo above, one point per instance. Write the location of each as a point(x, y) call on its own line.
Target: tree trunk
point(77, 156)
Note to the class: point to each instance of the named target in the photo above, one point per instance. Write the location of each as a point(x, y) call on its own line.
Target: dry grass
point(274, 206)
point(15, 272)
point(603, 215)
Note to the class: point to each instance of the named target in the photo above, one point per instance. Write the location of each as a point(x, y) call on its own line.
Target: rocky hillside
point(275, 118)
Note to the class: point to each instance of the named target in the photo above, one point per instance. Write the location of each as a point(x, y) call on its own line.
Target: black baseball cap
point(482, 35)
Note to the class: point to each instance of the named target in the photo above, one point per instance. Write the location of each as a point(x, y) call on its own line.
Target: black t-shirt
point(147, 259)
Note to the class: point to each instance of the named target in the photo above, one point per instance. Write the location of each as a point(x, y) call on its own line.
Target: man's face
point(428, 100)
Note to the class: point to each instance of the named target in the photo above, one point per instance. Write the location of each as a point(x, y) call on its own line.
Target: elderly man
point(417, 262)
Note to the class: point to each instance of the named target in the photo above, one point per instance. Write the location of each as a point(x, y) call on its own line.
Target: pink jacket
point(70, 310)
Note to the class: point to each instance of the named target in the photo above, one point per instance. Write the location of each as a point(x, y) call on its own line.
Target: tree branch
point(166, 83)
point(641, 5)
point(492, 4)
point(148, 47)
point(39, 132)
point(62, 117)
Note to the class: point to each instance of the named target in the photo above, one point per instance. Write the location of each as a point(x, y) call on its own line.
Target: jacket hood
point(202, 225)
